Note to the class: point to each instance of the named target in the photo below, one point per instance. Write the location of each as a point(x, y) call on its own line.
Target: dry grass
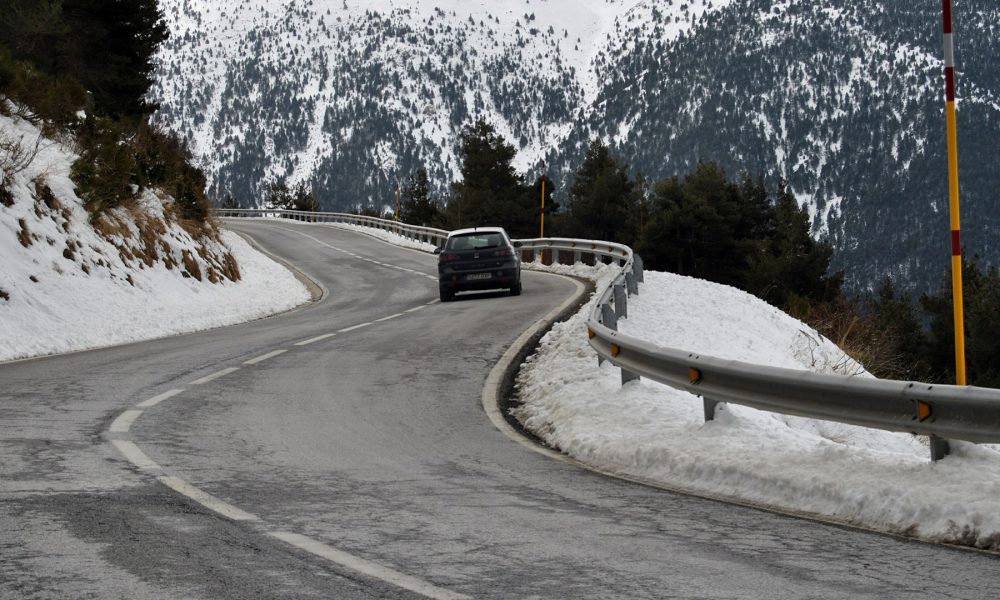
point(110, 227)
point(191, 266)
point(6, 196)
point(24, 236)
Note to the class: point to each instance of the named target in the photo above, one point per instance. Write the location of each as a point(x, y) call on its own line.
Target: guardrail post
point(633, 287)
point(709, 408)
point(637, 268)
point(621, 301)
point(940, 448)
point(577, 256)
point(609, 320)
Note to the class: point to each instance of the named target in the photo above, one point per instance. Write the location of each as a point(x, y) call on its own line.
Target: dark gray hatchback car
point(482, 258)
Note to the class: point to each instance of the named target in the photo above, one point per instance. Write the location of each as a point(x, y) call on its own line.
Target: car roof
point(477, 230)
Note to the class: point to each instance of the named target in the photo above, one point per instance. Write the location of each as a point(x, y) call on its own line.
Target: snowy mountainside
point(350, 95)
point(842, 100)
point(70, 282)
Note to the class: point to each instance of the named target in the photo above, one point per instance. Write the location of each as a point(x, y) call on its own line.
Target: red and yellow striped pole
point(956, 228)
point(541, 233)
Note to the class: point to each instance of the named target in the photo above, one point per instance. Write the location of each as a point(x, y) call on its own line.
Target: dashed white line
point(346, 329)
point(366, 567)
point(215, 375)
point(157, 399)
point(389, 317)
point(124, 421)
point(421, 307)
point(207, 500)
point(260, 359)
point(318, 338)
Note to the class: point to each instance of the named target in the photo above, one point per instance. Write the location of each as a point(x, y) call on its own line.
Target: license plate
point(478, 276)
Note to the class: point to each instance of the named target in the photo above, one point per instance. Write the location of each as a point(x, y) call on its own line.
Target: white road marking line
point(346, 329)
point(432, 302)
point(421, 307)
point(124, 421)
point(318, 338)
point(389, 317)
point(135, 456)
point(207, 500)
point(366, 567)
point(215, 376)
point(157, 399)
point(261, 359)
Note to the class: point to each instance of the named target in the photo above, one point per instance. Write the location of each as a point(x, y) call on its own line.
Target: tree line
point(734, 232)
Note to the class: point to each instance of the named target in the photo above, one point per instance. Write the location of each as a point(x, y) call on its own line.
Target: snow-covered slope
point(67, 284)
point(865, 477)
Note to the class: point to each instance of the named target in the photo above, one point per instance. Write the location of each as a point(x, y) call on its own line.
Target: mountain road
point(341, 450)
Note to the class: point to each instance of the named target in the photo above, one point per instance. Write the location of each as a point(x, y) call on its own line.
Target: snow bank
point(65, 286)
point(860, 476)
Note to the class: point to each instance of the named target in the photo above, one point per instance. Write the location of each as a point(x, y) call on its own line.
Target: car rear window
point(474, 241)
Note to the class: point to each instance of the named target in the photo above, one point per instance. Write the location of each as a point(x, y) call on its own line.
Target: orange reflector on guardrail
point(923, 411)
point(615, 350)
point(590, 333)
point(695, 375)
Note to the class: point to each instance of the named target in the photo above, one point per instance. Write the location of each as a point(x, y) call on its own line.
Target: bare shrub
point(16, 155)
point(4, 295)
point(859, 335)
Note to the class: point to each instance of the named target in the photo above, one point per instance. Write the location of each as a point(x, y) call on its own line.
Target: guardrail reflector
point(615, 350)
point(923, 411)
point(590, 333)
point(695, 375)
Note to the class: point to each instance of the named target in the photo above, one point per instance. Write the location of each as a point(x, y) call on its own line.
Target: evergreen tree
point(981, 295)
point(107, 45)
point(793, 266)
point(490, 192)
point(692, 229)
point(897, 323)
point(603, 200)
point(418, 207)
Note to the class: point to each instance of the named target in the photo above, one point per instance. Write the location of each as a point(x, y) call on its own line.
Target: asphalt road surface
point(341, 451)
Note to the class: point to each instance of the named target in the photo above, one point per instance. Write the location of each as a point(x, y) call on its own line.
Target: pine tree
point(793, 266)
point(490, 192)
point(693, 228)
point(107, 45)
point(603, 199)
point(418, 207)
point(981, 295)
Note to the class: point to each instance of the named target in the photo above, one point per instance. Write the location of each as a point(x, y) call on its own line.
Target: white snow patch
point(856, 475)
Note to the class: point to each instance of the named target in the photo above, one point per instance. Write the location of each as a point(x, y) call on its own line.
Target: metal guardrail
point(941, 412)
point(416, 233)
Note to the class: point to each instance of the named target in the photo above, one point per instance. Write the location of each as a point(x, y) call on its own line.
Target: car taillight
point(503, 253)
point(449, 257)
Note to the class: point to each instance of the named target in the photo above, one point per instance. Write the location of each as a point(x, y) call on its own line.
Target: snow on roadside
point(65, 287)
point(386, 236)
point(861, 476)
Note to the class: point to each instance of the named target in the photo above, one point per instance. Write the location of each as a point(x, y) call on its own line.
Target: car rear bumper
point(474, 280)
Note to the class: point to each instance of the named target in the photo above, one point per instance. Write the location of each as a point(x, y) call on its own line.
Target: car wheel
point(516, 290)
point(446, 296)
